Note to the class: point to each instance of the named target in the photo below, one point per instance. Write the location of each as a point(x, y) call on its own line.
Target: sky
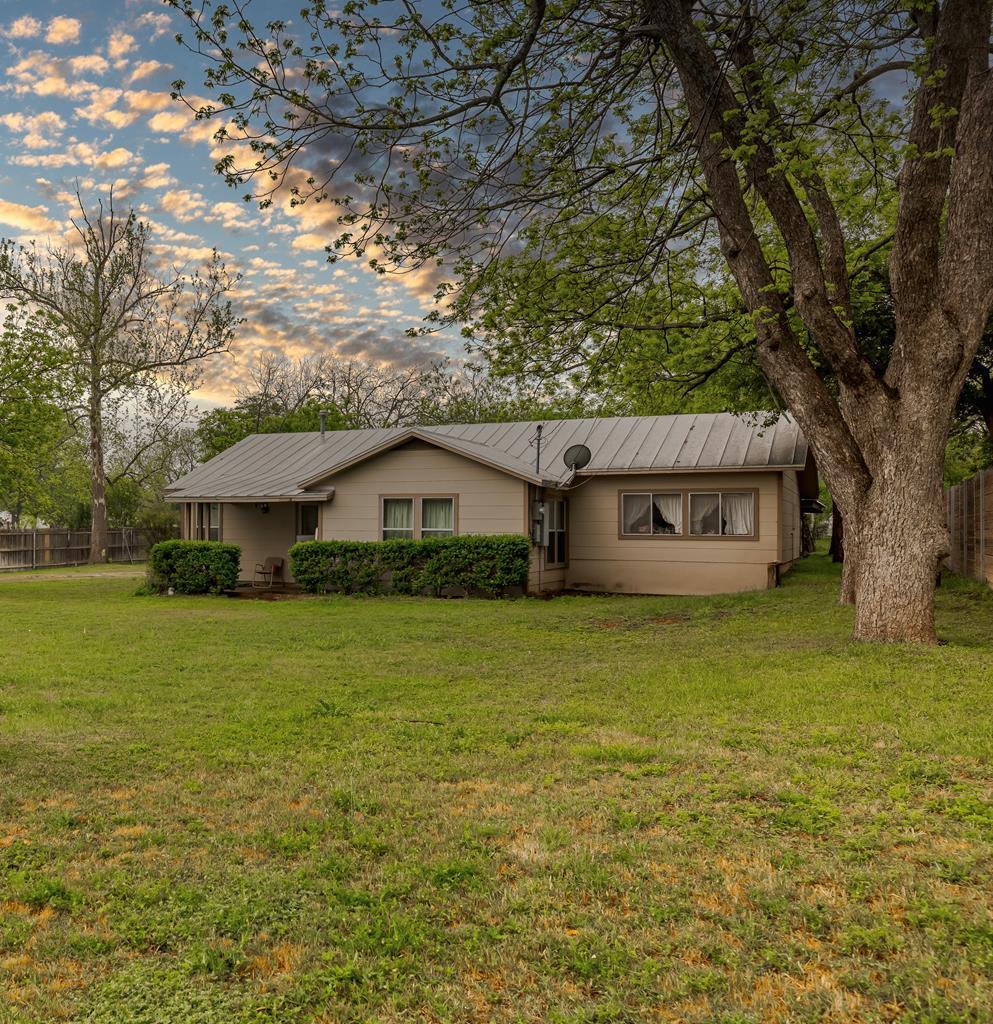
point(84, 98)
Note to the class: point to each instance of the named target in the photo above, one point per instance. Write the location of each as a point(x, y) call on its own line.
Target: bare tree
point(710, 126)
point(366, 394)
point(126, 324)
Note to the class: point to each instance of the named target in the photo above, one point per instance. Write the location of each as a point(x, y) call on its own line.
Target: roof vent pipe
point(323, 414)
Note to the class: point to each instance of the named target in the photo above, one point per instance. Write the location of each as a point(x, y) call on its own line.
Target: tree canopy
point(659, 167)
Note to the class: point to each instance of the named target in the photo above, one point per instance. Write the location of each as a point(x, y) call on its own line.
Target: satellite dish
point(577, 456)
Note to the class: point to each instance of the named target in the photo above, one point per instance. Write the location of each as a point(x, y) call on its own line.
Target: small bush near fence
point(193, 566)
point(471, 564)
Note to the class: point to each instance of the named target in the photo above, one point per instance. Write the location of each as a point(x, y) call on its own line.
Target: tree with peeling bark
point(128, 326)
point(472, 131)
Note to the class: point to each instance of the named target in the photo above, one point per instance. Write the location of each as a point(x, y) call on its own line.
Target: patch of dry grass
point(712, 810)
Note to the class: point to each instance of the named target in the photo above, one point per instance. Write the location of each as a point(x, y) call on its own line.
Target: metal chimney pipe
point(324, 420)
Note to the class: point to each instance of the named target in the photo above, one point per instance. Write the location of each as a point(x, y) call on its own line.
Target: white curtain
point(637, 513)
point(705, 514)
point(398, 517)
point(739, 514)
point(436, 515)
point(667, 515)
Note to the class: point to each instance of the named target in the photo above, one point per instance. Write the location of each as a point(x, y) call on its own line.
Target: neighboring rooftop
point(299, 465)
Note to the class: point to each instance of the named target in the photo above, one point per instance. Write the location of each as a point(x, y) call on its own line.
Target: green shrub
point(193, 566)
point(470, 564)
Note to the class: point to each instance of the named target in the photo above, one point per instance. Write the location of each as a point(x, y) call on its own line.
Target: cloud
point(157, 23)
point(119, 157)
point(146, 100)
point(63, 30)
point(38, 130)
point(120, 44)
point(146, 68)
point(157, 176)
point(91, 63)
point(24, 27)
point(232, 216)
point(171, 121)
point(103, 107)
point(183, 204)
point(27, 218)
point(41, 74)
point(79, 153)
point(310, 240)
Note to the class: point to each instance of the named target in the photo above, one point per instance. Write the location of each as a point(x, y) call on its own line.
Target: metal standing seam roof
point(303, 465)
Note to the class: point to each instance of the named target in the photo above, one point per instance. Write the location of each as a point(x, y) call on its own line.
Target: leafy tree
point(31, 422)
point(221, 428)
point(130, 331)
point(479, 129)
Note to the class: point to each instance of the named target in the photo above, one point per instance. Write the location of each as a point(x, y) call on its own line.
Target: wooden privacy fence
point(35, 549)
point(969, 508)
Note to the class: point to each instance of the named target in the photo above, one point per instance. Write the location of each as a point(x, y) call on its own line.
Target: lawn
point(577, 810)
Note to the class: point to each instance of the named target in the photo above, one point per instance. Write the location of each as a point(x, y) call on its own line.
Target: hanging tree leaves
point(595, 173)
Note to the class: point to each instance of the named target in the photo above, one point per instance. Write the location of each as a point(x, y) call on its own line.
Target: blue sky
point(84, 96)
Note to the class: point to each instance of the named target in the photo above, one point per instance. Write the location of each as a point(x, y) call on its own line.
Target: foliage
point(218, 429)
point(590, 173)
point(969, 451)
point(32, 425)
point(286, 396)
point(560, 811)
point(193, 566)
point(132, 334)
point(471, 563)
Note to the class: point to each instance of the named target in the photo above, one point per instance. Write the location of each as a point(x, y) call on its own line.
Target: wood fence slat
point(969, 514)
point(52, 547)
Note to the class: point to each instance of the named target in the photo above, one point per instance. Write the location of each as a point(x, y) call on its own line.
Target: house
point(688, 504)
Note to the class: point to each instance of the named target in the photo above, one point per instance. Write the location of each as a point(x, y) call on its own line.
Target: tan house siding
point(541, 578)
point(487, 501)
point(601, 560)
point(790, 531)
point(259, 534)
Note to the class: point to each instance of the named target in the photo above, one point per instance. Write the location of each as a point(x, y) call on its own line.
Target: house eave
point(256, 499)
point(427, 438)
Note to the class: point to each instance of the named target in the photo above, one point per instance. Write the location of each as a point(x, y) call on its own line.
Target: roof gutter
point(248, 499)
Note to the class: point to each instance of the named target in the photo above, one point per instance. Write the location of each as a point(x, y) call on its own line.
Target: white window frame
point(554, 532)
point(425, 532)
point(417, 531)
point(387, 532)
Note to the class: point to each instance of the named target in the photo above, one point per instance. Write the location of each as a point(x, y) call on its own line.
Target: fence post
point(34, 548)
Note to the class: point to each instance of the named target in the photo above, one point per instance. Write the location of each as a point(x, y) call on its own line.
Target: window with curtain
point(652, 514)
point(437, 517)
point(555, 549)
point(722, 514)
point(398, 518)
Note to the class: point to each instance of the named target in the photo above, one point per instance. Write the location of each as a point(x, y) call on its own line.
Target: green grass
point(579, 810)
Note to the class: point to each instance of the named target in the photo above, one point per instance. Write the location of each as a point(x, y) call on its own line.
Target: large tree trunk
point(898, 540)
point(98, 484)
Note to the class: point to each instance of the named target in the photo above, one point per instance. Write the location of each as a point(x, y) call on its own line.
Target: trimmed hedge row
point(193, 566)
point(472, 564)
